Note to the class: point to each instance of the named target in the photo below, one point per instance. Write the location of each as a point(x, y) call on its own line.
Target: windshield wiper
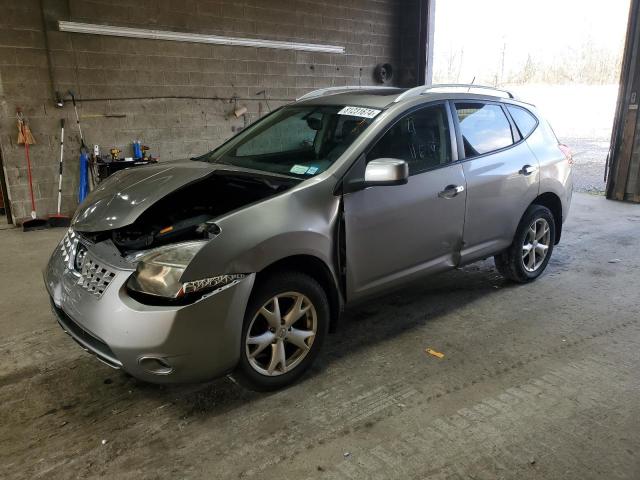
point(205, 157)
point(265, 181)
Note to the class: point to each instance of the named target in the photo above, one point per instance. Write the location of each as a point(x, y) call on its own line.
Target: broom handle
point(75, 108)
point(60, 176)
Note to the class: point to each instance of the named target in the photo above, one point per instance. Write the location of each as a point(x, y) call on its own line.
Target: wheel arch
point(316, 269)
point(554, 204)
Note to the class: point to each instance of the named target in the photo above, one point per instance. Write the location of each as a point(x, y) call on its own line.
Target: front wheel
point(528, 255)
point(285, 324)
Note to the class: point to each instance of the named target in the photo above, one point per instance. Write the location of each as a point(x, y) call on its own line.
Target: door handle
point(451, 191)
point(527, 170)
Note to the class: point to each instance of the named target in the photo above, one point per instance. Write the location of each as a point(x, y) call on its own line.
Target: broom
point(57, 219)
point(26, 138)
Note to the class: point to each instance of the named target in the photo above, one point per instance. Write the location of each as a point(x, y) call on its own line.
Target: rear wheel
point(284, 326)
point(528, 255)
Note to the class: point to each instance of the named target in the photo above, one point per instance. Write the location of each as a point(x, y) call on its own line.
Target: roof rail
point(321, 92)
point(417, 91)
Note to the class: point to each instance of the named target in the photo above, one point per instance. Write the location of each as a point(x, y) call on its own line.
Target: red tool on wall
point(26, 138)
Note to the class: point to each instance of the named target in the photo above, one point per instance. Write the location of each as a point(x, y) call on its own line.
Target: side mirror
point(378, 172)
point(386, 171)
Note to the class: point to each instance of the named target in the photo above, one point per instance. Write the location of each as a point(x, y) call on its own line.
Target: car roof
point(384, 97)
point(360, 97)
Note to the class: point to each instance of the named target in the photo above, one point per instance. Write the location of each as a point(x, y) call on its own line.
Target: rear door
point(502, 176)
point(396, 233)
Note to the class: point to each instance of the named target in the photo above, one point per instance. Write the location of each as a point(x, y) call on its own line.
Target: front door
point(397, 233)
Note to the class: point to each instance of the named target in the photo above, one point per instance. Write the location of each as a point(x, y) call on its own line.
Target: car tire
point(528, 255)
point(268, 334)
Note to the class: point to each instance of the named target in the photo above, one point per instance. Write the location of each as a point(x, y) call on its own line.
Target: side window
point(291, 134)
point(484, 128)
point(421, 138)
point(525, 121)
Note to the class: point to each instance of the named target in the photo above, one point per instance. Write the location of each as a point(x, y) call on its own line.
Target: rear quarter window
point(524, 120)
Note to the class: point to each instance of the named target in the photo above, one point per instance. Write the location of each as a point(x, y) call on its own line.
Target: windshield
point(300, 141)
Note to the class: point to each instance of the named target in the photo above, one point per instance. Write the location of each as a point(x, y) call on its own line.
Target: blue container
point(83, 187)
point(137, 149)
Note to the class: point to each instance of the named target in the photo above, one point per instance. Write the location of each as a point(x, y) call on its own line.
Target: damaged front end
point(188, 213)
point(168, 232)
point(138, 219)
point(157, 279)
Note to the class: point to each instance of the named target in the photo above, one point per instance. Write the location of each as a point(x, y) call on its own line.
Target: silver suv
point(243, 259)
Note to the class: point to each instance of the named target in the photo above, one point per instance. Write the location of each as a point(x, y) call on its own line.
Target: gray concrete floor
point(538, 381)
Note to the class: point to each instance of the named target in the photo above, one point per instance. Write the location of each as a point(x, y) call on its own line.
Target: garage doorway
point(571, 75)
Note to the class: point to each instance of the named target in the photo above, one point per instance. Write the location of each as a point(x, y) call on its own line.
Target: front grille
point(85, 339)
point(94, 277)
point(68, 247)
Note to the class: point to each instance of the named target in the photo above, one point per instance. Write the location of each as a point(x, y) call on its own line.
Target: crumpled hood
point(119, 200)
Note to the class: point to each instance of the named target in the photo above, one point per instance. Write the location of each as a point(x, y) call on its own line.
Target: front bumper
point(160, 344)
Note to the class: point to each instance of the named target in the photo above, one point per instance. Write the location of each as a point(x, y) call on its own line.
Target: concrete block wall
point(175, 97)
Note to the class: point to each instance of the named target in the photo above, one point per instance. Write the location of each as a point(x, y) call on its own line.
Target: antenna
point(471, 84)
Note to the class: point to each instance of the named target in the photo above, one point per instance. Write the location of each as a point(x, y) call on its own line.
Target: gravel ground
point(590, 156)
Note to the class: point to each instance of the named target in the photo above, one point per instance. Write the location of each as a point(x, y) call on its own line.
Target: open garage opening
point(565, 57)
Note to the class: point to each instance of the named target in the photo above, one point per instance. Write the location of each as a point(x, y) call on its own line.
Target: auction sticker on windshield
point(299, 169)
point(359, 112)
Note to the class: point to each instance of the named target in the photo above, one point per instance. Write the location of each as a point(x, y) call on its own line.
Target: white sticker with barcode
point(359, 112)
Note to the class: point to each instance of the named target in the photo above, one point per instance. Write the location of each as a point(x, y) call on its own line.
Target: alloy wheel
point(281, 334)
point(536, 244)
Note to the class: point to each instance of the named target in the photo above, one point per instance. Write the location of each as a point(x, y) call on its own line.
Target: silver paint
point(440, 219)
point(384, 170)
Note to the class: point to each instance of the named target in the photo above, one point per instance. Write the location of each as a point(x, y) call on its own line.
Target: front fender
point(299, 222)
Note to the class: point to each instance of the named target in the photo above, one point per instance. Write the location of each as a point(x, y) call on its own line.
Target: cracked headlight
point(158, 273)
